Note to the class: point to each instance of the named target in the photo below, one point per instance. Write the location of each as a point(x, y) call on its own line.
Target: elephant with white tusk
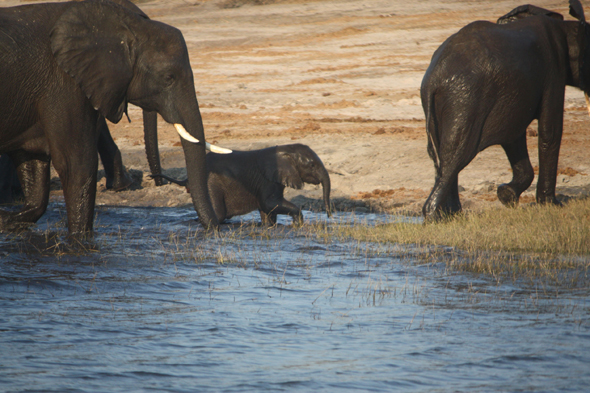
point(65, 68)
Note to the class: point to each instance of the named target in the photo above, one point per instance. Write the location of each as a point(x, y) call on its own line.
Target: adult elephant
point(486, 84)
point(63, 66)
point(244, 181)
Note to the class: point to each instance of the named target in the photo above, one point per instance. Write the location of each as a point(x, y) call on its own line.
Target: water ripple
point(164, 306)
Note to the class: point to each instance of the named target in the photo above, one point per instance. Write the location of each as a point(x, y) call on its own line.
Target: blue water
point(162, 306)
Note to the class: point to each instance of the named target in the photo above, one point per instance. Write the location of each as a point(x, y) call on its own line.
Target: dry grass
point(538, 229)
point(545, 243)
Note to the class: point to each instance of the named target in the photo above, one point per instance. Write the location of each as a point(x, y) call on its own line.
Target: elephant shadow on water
point(487, 83)
point(65, 68)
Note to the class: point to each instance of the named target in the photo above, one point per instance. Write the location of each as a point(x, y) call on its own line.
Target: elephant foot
point(440, 215)
point(507, 195)
point(120, 182)
point(429, 215)
point(545, 200)
point(80, 243)
point(268, 223)
point(9, 225)
point(444, 216)
point(298, 222)
point(159, 181)
point(432, 218)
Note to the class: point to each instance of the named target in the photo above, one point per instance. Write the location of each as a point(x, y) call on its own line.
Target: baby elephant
point(244, 181)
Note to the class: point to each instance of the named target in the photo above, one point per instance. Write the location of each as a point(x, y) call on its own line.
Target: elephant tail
point(182, 183)
point(432, 130)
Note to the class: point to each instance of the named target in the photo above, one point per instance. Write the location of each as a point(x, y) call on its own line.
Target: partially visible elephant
point(117, 178)
point(64, 66)
point(244, 181)
point(487, 83)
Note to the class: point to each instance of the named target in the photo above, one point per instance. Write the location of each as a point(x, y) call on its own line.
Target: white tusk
point(212, 148)
point(184, 134)
point(216, 149)
point(587, 101)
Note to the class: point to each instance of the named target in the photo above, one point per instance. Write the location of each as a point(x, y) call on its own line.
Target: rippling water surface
point(164, 307)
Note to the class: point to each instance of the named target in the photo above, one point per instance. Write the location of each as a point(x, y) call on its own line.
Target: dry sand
point(343, 77)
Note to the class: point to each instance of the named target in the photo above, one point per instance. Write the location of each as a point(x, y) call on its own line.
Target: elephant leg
point(442, 198)
point(457, 146)
point(218, 200)
point(73, 146)
point(452, 203)
point(269, 219)
point(33, 173)
point(283, 207)
point(117, 177)
point(522, 172)
point(78, 178)
point(550, 132)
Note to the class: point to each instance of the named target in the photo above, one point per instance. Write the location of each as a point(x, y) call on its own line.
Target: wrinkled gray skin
point(66, 65)
point(244, 181)
point(487, 83)
point(117, 178)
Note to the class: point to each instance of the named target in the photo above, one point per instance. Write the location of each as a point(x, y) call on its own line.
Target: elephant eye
point(169, 78)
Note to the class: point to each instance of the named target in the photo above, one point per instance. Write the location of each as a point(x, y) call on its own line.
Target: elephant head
point(524, 11)
point(298, 164)
point(119, 56)
point(578, 39)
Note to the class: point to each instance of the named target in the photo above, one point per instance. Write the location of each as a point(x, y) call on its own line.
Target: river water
point(162, 306)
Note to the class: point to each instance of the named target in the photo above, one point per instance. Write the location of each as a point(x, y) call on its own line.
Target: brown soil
point(343, 77)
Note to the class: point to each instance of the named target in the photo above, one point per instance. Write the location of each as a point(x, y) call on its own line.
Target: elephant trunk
point(196, 168)
point(150, 135)
point(326, 185)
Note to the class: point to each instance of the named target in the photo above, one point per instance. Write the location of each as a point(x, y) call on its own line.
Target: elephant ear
point(284, 172)
point(132, 7)
point(91, 41)
point(524, 11)
point(287, 171)
point(577, 11)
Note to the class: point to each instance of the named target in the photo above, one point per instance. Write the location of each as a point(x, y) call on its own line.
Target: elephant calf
point(244, 181)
